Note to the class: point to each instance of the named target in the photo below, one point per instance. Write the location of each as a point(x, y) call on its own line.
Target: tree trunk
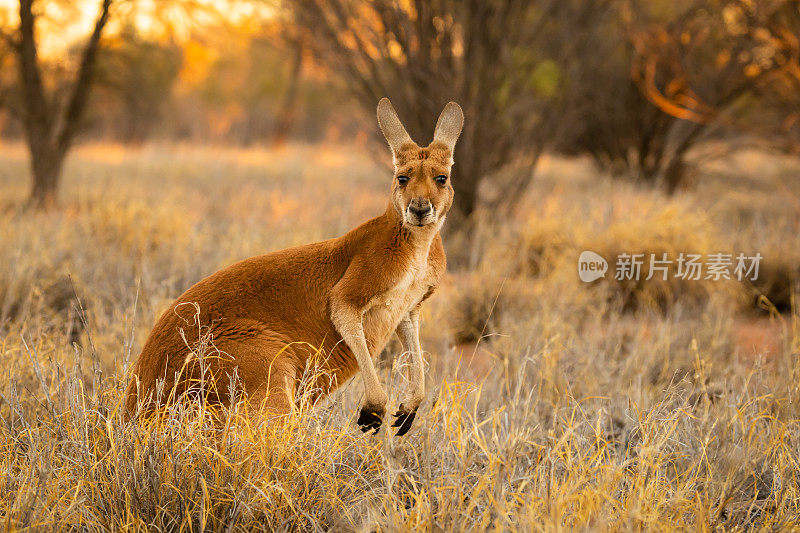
point(50, 129)
point(675, 174)
point(675, 171)
point(459, 230)
point(46, 163)
point(466, 179)
point(466, 196)
point(288, 109)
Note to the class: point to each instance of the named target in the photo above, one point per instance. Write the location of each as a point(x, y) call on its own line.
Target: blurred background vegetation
point(636, 85)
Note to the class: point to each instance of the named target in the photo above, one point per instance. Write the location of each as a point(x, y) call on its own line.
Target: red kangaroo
point(343, 298)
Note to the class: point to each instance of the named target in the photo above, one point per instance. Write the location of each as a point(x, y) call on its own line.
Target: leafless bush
point(499, 60)
point(671, 79)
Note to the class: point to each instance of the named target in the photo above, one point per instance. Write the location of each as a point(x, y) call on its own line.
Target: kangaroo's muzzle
point(420, 212)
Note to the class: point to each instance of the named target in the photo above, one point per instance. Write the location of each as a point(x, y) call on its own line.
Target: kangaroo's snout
point(420, 212)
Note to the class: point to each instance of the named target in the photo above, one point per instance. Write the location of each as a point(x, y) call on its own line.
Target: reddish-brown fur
point(267, 315)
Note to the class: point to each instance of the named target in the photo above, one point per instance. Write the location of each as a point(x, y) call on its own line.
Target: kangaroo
point(342, 297)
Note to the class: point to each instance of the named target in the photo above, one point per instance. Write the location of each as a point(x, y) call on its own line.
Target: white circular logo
point(591, 266)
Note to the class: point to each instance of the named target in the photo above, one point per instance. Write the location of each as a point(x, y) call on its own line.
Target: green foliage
point(546, 78)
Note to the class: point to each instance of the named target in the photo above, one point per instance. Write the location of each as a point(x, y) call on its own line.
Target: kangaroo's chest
point(387, 309)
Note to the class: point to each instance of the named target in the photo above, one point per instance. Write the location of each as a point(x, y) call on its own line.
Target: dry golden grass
point(576, 410)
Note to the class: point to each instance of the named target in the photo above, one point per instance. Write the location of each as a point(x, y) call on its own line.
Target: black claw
point(404, 421)
point(370, 419)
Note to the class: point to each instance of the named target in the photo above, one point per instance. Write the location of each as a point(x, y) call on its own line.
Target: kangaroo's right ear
point(396, 135)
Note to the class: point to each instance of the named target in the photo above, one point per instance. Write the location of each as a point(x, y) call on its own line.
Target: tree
point(705, 67)
point(611, 118)
point(288, 108)
point(673, 75)
point(140, 73)
point(496, 58)
point(51, 122)
point(778, 114)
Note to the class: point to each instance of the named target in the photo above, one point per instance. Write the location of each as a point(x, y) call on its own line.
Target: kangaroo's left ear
point(449, 125)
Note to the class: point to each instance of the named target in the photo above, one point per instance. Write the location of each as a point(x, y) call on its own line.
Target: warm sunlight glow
point(62, 24)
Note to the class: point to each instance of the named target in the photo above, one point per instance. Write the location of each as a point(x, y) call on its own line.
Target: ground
point(552, 404)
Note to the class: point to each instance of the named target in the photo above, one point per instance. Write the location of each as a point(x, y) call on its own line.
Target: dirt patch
point(474, 360)
point(760, 336)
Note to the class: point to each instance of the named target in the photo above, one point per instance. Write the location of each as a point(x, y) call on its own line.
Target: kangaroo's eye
point(402, 180)
point(441, 180)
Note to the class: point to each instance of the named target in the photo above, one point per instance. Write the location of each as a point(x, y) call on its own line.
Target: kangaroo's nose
point(420, 209)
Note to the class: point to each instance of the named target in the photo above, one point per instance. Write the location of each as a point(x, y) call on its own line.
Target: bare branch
point(37, 113)
point(79, 96)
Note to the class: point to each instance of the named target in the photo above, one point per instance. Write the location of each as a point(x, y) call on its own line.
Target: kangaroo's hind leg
point(265, 369)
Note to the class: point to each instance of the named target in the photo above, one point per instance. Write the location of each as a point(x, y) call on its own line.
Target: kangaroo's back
point(278, 296)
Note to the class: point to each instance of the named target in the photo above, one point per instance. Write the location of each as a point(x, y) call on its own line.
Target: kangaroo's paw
point(404, 419)
point(370, 418)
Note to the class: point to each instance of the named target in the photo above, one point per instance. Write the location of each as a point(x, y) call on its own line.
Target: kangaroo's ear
point(449, 125)
point(396, 135)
